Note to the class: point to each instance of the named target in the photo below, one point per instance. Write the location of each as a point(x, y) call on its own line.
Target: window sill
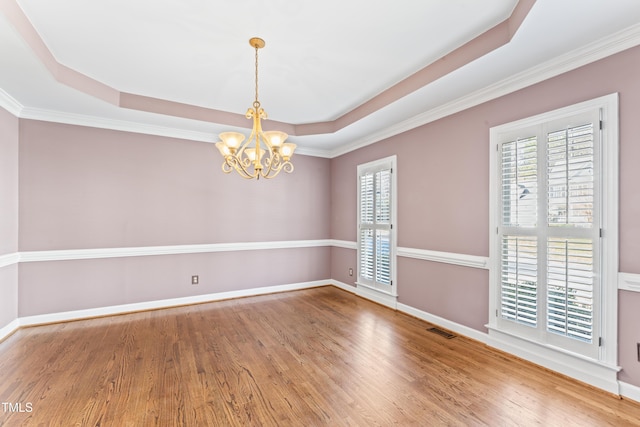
point(594, 372)
point(377, 295)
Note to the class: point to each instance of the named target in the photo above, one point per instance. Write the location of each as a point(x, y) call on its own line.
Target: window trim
point(602, 371)
point(380, 295)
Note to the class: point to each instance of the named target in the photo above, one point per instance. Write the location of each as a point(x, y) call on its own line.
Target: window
point(554, 230)
point(376, 234)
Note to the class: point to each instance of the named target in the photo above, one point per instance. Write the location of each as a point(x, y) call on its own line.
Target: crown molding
point(112, 124)
point(9, 103)
point(123, 125)
point(600, 49)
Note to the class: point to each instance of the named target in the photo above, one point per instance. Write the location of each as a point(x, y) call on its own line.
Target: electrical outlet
point(195, 280)
point(351, 272)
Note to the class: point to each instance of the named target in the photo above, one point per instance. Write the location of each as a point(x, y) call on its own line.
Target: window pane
point(366, 254)
point(383, 197)
point(570, 157)
point(366, 199)
point(520, 182)
point(519, 275)
point(570, 288)
point(383, 257)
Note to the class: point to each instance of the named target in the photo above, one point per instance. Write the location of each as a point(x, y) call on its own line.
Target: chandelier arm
point(277, 167)
point(273, 160)
point(233, 163)
point(286, 166)
point(243, 172)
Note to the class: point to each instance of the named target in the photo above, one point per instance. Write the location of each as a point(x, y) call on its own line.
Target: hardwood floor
point(314, 357)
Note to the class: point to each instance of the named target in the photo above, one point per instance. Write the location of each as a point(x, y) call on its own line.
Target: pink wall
point(341, 261)
point(8, 295)
point(444, 205)
point(459, 294)
point(8, 215)
point(52, 287)
point(629, 333)
point(8, 183)
point(92, 188)
point(87, 188)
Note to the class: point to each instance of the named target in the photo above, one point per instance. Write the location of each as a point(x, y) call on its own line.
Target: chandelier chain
point(256, 103)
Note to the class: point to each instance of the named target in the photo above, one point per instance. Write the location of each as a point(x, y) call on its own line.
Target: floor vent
point(442, 333)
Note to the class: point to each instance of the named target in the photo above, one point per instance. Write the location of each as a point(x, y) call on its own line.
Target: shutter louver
point(570, 177)
point(383, 257)
point(519, 275)
point(366, 199)
point(366, 254)
point(570, 288)
point(520, 183)
point(383, 197)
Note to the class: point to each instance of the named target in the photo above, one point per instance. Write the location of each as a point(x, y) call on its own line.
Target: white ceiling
point(321, 61)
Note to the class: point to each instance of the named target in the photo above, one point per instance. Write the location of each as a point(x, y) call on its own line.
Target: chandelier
point(248, 158)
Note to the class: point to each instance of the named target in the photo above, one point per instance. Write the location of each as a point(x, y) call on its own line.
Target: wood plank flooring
point(314, 357)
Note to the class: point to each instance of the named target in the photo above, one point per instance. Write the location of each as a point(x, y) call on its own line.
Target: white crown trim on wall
point(9, 103)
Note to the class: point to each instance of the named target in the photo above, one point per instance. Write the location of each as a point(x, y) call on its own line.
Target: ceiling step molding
point(600, 49)
point(112, 124)
point(9, 103)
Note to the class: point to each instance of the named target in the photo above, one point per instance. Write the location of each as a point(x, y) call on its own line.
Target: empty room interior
point(329, 213)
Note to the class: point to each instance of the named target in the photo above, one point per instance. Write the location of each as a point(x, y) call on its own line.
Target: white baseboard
point(595, 373)
point(381, 298)
point(630, 391)
point(342, 285)
point(444, 323)
point(5, 331)
point(153, 305)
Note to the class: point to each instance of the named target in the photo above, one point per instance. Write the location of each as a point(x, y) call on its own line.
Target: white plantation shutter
point(520, 182)
point(570, 157)
point(375, 239)
point(570, 288)
point(519, 273)
point(548, 232)
point(573, 228)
